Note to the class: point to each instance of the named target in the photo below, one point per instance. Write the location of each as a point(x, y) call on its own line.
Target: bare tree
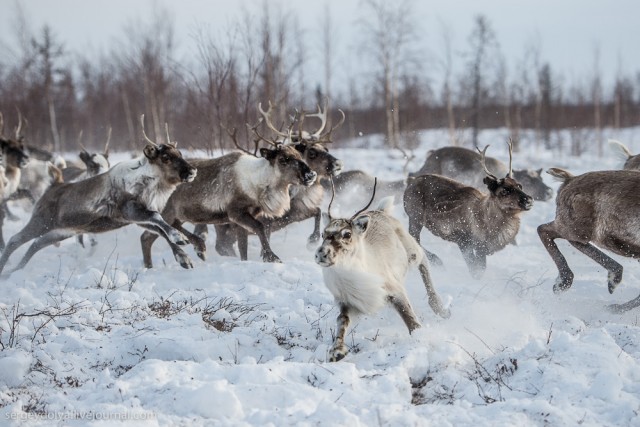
point(482, 44)
point(447, 66)
point(390, 33)
point(596, 98)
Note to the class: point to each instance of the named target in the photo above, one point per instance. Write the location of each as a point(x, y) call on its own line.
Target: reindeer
point(94, 163)
point(595, 209)
point(631, 161)
point(366, 259)
point(463, 165)
point(14, 158)
point(236, 188)
point(480, 224)
point(305, 200)
point(132, 192)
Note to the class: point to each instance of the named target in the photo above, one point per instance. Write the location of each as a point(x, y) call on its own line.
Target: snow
point(246, 343)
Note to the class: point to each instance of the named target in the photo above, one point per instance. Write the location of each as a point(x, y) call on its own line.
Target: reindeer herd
point(459, 195)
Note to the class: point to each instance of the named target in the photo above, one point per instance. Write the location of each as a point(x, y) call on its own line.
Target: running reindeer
point(366, 259)
point(132, 192)
point(305, 200)
point(480, 224)
point(596, 208)
point(237, 188)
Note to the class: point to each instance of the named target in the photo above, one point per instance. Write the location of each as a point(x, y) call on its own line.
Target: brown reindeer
point(305, 200)
point(480, 224)
point(595, 209)
point(236, 188)
point(464, 165)
point(132, 192)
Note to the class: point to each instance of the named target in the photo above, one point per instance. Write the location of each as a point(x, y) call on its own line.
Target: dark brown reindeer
point(365, 260)
point(631, 161)
point(480, 224)
point(595, 209)
point(132, 192)
point(236, 188)
point(464, 165)
point(305, 200)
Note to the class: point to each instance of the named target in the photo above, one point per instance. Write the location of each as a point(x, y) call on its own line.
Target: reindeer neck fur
point(309, 197)
point(498, 226)
point(261, 181)
point(140, 178)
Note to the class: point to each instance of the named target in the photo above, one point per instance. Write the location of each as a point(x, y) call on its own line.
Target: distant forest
point(68, 97)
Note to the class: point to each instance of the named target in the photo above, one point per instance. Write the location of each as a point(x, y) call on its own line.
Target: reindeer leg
point(434, 299)
point(476, 263)
point(315, 235)
point(137, 213)
point(621, 308)
point(251, 224)
point(243, 243)
point(339, 350)
point(29, 232)
point(146, 241)
point(150, 236)
point(415, 228)
point(225, 238)
point(403, 307)
point(50, 238)
point(195, 240)
point(612, 266)
point(2, 216)
point(547, 235)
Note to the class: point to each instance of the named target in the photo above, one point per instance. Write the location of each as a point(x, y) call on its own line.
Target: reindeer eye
point(346, 234)
point(519, 187)
point(165, 158)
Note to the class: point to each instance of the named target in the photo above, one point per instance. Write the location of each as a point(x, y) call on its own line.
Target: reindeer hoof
point(338, 353)
point(434, 260)
point(614, 279)
point(561, 286)
point(202, 255)
point(270, 257)
point(177, 238)
point(184, 260)
point(615, 308)
point(445, 313)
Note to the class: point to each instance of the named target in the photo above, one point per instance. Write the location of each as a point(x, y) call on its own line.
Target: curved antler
point(144, 133)
point(79, 141)
point(333, 196)
point(106, 145)
point(483, 162)
point(267, 119)
point(19, 128)
point(375, 183)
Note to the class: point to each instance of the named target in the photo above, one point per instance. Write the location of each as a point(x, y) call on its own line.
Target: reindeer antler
point(333, 196)
point(373, 195)
point(19, 128)
point(510, 144)
point(174, 144)
point(483, 162)
point(1, 124)
point(106, 145)
point(79, 141)
point(267, 119)
point(144, 133)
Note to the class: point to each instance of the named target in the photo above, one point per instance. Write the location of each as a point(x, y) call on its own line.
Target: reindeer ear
point(268, 154)
point(492, 183)
point(360, 223)
point(85, 157)
point(150, 152)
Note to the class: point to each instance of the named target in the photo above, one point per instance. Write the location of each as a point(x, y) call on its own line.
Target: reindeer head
point(289, 164)
point(531, 179)
point(168, 159)
point(95, 163)
point(310, 144)
point(341, 237)
point(506, 191)
point(13, 151)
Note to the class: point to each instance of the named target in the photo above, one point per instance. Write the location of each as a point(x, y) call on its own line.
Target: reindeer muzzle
point(335, 168)
point(526, 202)
point(190, 175)
point(309, 178)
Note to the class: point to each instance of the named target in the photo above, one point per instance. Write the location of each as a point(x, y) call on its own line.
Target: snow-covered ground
point(94, 336)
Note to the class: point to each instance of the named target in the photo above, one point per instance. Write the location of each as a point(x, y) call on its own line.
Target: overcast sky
point(569, 31)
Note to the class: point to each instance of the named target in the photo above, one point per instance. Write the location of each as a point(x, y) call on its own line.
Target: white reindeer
point(366, 259)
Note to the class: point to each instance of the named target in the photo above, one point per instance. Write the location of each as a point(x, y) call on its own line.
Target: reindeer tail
point(560, 174)
point(621, 149)
point(385, 205)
